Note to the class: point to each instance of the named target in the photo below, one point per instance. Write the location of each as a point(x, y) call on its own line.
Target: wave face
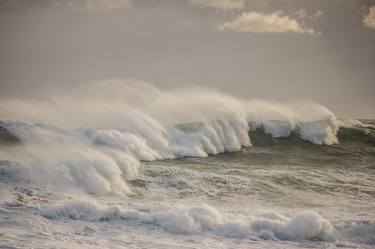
point(354, 130)
point(94, 138)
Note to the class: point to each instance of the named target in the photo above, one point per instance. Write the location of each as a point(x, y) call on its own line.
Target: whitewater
point(123, 164)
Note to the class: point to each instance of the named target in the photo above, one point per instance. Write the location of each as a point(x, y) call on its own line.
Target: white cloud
point(94, 5)
point(258, 22)
point(220, 4)
point(369, 18)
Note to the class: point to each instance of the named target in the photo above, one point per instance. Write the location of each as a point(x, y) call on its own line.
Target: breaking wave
point(202, 219)
point(234, 224)
point(94, 138)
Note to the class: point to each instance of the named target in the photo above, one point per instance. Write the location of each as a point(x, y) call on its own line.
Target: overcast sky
point(320, 50)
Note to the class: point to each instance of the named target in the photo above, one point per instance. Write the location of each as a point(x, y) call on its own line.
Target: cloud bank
point(257, 22)
point(369, 19)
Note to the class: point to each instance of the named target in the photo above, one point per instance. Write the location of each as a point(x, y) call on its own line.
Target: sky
point(321, 50)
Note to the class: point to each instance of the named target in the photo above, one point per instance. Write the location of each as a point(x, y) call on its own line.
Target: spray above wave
point(94, 138)
point(137, 107)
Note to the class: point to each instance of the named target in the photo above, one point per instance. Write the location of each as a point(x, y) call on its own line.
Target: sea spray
point(94, 138)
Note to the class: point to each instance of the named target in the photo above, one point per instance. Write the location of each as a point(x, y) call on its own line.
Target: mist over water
point(135, 157)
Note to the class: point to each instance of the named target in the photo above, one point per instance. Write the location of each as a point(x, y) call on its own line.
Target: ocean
point(182, 170)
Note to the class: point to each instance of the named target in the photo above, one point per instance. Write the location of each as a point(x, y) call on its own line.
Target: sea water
point(140, 167)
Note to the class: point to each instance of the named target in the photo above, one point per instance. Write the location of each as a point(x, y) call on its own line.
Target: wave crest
point(95, 138)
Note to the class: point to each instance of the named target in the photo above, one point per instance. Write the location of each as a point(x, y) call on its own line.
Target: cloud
point(220, 4)
point(257, 22)
point(94, 5)
point(369, 18)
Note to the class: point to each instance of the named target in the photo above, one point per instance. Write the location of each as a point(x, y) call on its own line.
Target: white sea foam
point(204, 219)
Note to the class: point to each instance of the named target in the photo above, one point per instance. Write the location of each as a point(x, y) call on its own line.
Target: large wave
point(94, 138)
